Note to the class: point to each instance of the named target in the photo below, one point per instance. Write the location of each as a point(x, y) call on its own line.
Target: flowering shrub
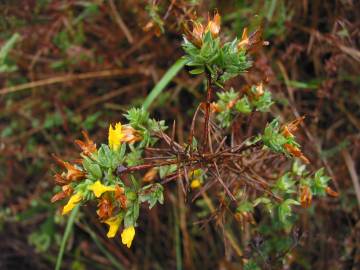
point(93, 177)
point(266, 171)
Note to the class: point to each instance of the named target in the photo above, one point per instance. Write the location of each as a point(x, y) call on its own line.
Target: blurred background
point(73, 65)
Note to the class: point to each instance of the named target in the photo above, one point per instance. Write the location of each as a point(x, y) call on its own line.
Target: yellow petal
point(115, 136)
point(127, 236)
point(99, 188)
point(74, 200)
point(195, 183)
point(114, 223)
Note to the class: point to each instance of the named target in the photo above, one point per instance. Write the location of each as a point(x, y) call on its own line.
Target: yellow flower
point(114, 223)
point(127, 236)
point(115, 136)
point(74, 200)
point(195, 183)
point(195, 178)
point(99, 188)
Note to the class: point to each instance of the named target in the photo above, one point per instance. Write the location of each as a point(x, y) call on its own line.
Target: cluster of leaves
point(281, 140)
point(274, 139)
point(295, 187)
point(208, 54)
point(229, 104)
point(140, 120)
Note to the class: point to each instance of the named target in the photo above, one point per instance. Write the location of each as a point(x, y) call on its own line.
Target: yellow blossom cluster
point(118, 134)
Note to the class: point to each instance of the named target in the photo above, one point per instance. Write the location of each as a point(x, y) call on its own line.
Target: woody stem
point(207, 112)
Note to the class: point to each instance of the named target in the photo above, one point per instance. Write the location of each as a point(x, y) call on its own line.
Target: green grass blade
point(69, 226)
point(160, 86)
point(9, 44)
point(271, 10)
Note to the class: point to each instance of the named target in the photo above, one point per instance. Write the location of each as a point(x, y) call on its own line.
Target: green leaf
point(245, 206)
point(285, 210)
point(273, 139)
point(197, 71)
point(95, 171)
point(243, 105)
point(156, 126)
point(226, 97)
point(134, 158)
point(260, 200)
point(111, 178)
point(104, 156)
point(267, 203)
point(130, 195)
point(92, 168)
point(225, 118)
point(263, 102)
point(137, 117)
point(121, 153)
point(132, 214)
point(152, 194)
point(319, 183)
point(285, 184)
point(298, 168)
point(166, 170)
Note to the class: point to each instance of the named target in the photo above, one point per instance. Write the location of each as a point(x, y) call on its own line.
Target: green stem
point(65, 237)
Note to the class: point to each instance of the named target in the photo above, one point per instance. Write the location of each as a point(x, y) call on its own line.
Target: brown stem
point(124, 170)
point(207, 113)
